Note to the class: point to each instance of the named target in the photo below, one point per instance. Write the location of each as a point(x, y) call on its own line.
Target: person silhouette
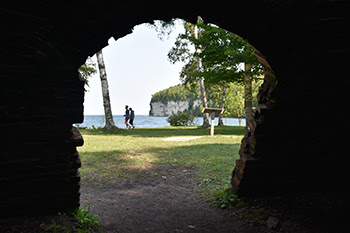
point(132, 117)
point(127, 116)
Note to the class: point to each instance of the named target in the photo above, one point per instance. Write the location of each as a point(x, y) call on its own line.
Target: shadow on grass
point(98, 162)
point(215, 162)
point(168, 131)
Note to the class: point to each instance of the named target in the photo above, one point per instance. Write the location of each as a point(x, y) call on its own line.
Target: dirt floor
point(165, 199)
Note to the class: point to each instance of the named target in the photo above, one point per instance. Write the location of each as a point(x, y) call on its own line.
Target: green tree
point(215, 56)
point(183, 51)
point(221, 56)
point(235, 101)
point(86, 70)
point(234, 95)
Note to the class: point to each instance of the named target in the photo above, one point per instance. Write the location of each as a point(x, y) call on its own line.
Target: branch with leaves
point(87, 70)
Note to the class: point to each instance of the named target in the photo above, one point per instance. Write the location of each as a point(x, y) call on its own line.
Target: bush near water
point(181, 119)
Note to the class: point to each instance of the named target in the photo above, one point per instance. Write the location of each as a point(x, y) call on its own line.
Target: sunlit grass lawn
point(107, 156)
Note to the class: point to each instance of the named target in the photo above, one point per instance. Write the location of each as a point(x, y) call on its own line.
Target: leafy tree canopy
point(221, 52)
point(176, 93)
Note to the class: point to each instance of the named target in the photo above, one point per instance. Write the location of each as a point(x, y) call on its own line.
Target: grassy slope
point(109, 155)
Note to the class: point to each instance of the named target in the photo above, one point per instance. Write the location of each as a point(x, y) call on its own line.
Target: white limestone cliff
point(171, 107)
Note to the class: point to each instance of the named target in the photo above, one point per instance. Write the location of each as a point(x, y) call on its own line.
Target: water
point(145, 121)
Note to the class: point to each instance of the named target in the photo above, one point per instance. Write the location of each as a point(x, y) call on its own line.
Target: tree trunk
point(205, 103)
point(202, 87)
point(222, 103)
point(248, 103)
point(105, 93)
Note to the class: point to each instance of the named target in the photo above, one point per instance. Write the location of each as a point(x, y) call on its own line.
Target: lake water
point(145, 121)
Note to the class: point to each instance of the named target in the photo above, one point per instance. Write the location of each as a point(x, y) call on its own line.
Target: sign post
point(213, 111)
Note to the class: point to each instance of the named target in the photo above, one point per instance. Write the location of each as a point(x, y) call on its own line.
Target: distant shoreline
point(145, 121)
point(154, 116)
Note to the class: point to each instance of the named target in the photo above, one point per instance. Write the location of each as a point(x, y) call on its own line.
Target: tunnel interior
point(294, 141)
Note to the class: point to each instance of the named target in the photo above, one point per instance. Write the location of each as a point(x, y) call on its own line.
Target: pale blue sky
point(137, 67)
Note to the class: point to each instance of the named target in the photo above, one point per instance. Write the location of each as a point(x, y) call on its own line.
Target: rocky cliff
point(176, 99)
point(166, 109)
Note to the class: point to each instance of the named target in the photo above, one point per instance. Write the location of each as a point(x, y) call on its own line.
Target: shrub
point(180, 119)
point(85, 219)
point(226, 199)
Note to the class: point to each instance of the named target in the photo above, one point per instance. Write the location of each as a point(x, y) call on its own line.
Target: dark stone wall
point(296, 141)
point(41, 96)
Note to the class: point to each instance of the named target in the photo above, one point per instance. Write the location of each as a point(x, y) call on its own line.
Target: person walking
point(127, 116)
point(132, 117)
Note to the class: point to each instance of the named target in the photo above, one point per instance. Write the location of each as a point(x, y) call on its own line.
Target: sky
point(137, 66)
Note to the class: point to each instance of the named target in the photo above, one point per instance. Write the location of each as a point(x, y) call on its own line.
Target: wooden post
point(213, 111)
point(212, 123)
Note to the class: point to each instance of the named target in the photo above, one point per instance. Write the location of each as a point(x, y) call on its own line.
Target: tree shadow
point(214, 161)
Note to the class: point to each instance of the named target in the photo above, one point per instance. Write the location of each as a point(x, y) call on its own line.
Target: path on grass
point(162, 199)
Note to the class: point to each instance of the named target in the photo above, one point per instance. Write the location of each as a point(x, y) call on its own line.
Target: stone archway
point(41, 95)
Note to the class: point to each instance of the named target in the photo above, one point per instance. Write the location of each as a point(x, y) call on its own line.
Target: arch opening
point(265, 100)
point(44, 51)
point(126, 170)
